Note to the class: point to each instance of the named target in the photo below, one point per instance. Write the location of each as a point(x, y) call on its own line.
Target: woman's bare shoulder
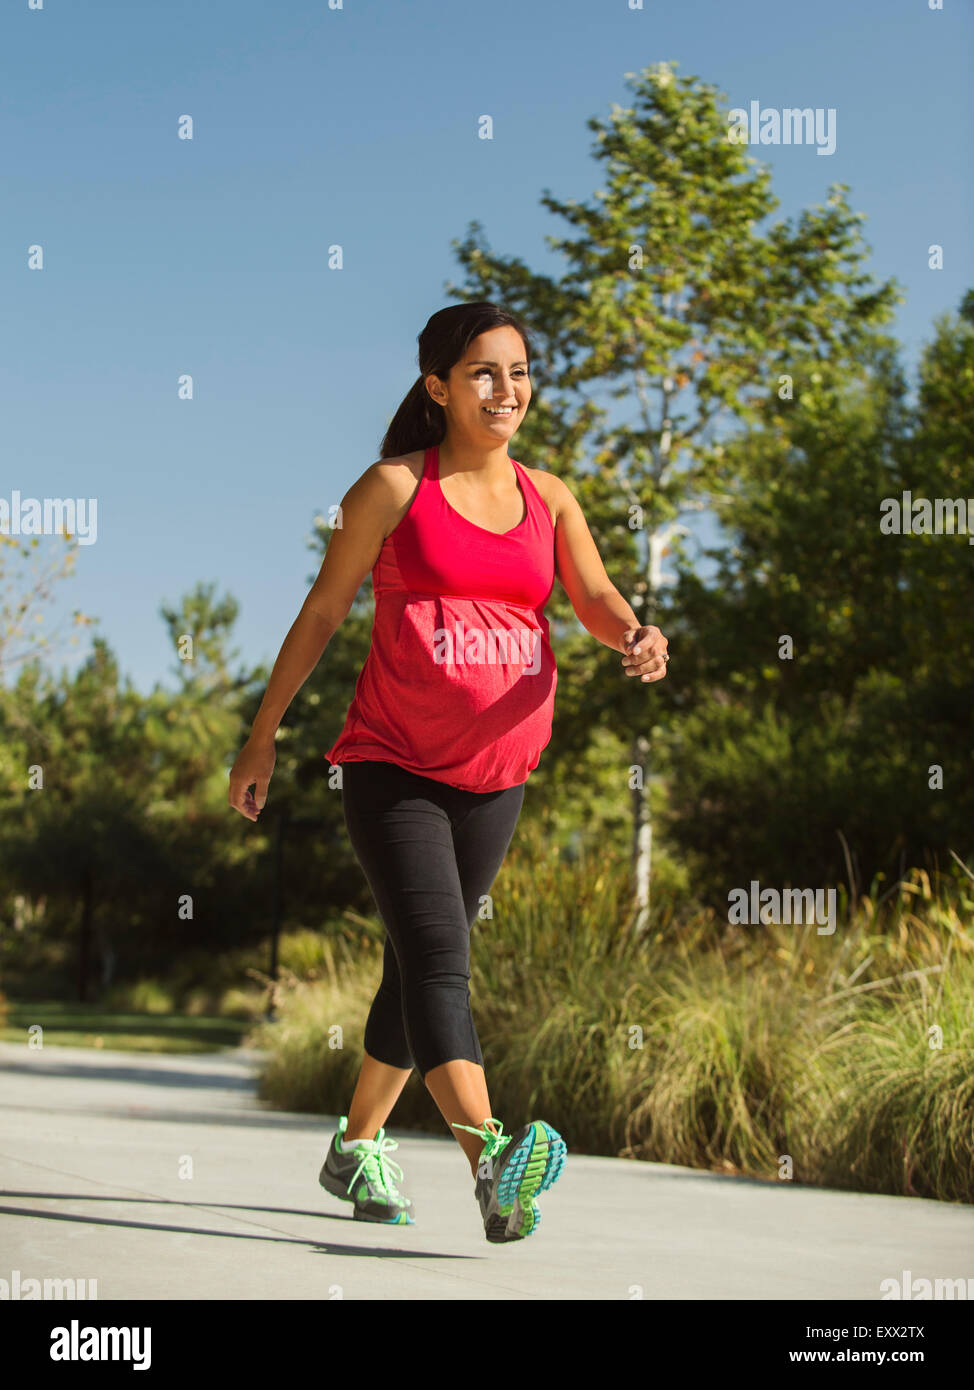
point(402, 464)
point(549, 486)
point(396, 480)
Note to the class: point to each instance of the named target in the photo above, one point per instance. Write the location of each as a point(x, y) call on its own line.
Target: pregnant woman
point(450, 715)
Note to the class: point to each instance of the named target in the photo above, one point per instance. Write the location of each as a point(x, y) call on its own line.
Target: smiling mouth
point(499, 414)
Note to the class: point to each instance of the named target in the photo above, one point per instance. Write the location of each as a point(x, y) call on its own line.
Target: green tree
point(795, 754)
point(116, 805)
point(679, 300)
point(28, 573)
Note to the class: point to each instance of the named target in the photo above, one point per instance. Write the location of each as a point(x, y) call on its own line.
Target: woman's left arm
point(598, 605)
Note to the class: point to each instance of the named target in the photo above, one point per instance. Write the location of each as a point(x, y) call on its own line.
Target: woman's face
point(491, 376)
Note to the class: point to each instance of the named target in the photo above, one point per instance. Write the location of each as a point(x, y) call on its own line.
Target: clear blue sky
point(358, 126)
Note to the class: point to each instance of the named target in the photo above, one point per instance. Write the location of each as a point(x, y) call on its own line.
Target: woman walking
point(450, 715)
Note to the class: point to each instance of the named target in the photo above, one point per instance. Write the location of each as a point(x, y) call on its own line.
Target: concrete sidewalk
point(93, 1142)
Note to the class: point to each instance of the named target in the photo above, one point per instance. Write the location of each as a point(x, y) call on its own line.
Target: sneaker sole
point(535, 1164)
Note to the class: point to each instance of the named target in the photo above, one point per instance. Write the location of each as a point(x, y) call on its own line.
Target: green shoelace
point(377, 1165)
point(493, 1143)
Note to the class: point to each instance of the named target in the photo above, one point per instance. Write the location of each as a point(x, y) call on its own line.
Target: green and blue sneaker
point(512, 1170)
point(362, 1172)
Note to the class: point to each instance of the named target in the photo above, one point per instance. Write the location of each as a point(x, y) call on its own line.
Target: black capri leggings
point(429, 851)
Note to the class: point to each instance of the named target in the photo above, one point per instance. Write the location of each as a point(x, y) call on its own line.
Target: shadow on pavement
point(326, 1246)
point(143, 1076)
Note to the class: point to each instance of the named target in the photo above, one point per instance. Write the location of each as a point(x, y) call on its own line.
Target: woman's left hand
point(647, 653)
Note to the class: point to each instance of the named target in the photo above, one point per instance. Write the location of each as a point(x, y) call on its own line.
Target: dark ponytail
point(420, 422)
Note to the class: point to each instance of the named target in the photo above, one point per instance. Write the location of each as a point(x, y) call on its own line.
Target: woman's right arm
point(368, 512)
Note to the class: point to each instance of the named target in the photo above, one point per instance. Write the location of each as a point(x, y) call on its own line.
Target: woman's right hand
point(254, 767)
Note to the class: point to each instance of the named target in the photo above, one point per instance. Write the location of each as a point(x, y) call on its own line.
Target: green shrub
point(141, 997)
point(743, 1050)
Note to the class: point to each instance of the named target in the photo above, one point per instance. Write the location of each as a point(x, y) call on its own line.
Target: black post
point(280, 822)
point(84, 944)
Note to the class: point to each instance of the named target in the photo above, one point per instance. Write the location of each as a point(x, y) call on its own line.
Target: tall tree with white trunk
point(683, 299)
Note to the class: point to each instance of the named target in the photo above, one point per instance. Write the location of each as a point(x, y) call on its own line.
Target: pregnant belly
point(459, 661)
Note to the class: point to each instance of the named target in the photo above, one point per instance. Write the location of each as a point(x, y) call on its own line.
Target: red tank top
point(459, 683)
